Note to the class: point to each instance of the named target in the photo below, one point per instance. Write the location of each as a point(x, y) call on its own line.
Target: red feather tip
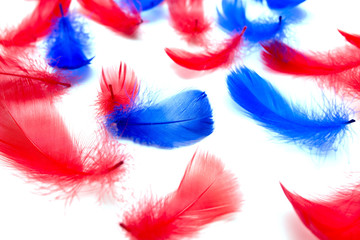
point(23, 78)
point(188, 18)
point(108, 13)
point(334, 218)
point(119, 88)
point(206, 193)
point(35, 26)
point(338, 69)
point(351, 38)
point(211, 59)
point(35, 141)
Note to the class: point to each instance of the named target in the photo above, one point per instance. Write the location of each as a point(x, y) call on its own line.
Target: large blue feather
point(176, 121)
point(281, 4)
point(233, 18)
point(67, 44)
point(262, 102)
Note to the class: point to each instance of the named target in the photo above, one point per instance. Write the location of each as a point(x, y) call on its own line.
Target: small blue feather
point(139, 5)
point(263, 103)
point(233, 18)
point(176, 121)
point(67, 44)
point(281, 4)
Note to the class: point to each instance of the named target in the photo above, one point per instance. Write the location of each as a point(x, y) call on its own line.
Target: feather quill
point(233, 19)
point(211, 58)
point(67, 44)
point(176, 121)
point(339, 69)
point(330, 218)
point(106, 12)
point(35, 26)
point(263, 103)
point(118, 89)
point(188, 18)
point(23, 78)
point(35, 141)
point(207, 193)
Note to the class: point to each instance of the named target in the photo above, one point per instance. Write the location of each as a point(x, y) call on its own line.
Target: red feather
point(23, 78)
point(338, 69)
point(188, 18)
point(35, 141)
point(351, 38)
point(334, 218)
point(108, 13)
point(206, 193)
point(35, 26)
point(119, 88)
point(211, 59)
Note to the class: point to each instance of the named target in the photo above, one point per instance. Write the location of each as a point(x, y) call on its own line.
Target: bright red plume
point(35, 26)
point(206, 193)
point(35, 141)
point(188, 18)
point(24, 78)
point(211, 59)
point(333, 218)
point(339, 69)
point(119, 88)
point(108, 13)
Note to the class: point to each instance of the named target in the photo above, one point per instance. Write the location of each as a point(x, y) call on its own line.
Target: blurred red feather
point(211, 59)
point(119, 88)
point(35, 141)
point(206, 193)
point(108, 13)
point(35, 26)
point(334, 218)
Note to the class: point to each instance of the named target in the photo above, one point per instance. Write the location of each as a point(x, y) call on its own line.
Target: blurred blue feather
point(282, 4)
point(139, 5)
point(263, 103)
point(176, 121)
point(233, 18)
point(67, 44)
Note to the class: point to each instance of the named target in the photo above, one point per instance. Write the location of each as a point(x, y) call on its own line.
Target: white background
point(253, 154)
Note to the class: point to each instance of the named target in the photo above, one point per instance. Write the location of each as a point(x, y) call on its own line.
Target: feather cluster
point(330, 218)
point(207, 193)
point(263, 103)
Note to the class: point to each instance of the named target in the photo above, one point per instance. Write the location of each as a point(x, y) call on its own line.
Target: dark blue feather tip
point(233, 19)
point(67, 45)
point(139, 5)
point(283, 4)
point(176, 121)
point(262, 102)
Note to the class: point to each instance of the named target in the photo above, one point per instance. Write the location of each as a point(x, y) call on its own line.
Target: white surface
point(258, 159)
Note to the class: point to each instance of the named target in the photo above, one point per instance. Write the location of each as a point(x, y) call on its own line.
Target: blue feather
point(263, 103)
point(176, 121)
point(233, 18)
point(281, 4)
point(67, 44)
point(139, 5)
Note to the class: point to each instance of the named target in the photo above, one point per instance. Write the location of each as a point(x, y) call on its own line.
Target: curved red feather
point(206, 193)
point(188, 18)
point(35, 26)
point(339, 69)
point(23, 78)
point(119, 88)
point(336, 217)
point(108, 13)
point(351, 38)
point(35, 141)
point(211, 59)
